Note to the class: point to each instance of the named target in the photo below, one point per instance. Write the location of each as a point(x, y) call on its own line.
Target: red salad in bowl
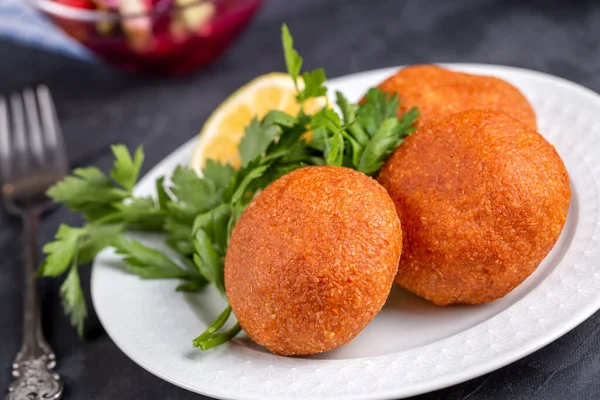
point(156, 37)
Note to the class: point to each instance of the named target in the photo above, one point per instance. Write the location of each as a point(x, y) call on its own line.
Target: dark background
point(98, 106)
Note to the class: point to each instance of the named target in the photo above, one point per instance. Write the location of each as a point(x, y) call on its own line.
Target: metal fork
point(32, 158)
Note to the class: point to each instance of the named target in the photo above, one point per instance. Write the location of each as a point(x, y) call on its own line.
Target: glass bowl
point(153, 37)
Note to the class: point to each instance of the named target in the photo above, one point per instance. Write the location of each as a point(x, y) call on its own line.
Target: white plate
point(413, 346)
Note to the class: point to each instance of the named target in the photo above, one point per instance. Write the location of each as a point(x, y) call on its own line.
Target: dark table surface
point(98, 106)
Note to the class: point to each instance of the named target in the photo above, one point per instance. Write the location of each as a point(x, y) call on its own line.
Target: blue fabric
point(23, 24)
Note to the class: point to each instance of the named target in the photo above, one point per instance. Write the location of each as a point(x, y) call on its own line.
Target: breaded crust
point(482, 199)
point(312, 259)
point(438, 92)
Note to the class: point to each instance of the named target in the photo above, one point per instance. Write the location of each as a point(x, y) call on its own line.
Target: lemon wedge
point(224, 129)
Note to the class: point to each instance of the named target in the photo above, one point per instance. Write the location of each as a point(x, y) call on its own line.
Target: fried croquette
point(438, 92)
point(482, 199)
point(312, 259)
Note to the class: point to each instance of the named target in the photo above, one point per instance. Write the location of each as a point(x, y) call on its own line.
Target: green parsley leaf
point(327, 128)
point(257, 137)
point(276, 117)
point(326, 118)
point(210, 244)
point(219, 174)
point(348, 110)
point(61, 252)
point(372, 130)
point(180, 234)
point(149, 263)
point(199, 195)
point(103, 214)
point(180, 212)
point(407, 122)
point(383, 143)
point(317, 142)
point(189, 286)
point(73, 300)
point(260, 137)
point(87, 191)
point(334, 150)
point(161, 194)
point(302, 154)
point(288, 141)
point(293, 61)
point(236, 213)
point(313, 81)
point(208, 260)
point(245, 179)
point(142, 213)
point(81, 244)
point(126, 170)
point(356, 150)
point(214, 224)
point(273, 173)
point(184, 207)
point(96, 239)
point(211, 223)
point(378, 107)
point(313, 85)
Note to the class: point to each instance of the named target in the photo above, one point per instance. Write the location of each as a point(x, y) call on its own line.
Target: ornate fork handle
point(32, 368)
point(35, 380)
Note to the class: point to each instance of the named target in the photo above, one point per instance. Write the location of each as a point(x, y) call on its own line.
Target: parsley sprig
point(197, 214)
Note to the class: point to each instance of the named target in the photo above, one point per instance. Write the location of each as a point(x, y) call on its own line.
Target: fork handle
point(32, 368)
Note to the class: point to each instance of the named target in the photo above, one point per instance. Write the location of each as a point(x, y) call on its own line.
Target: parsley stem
point(219, 338)
point(215, 326)
point(358, 133)
point(109, 218)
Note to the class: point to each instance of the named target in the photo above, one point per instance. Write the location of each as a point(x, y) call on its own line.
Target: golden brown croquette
point(312, 259)
point(482, 199)
point(438, 92)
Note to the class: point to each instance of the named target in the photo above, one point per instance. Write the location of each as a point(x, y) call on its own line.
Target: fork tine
point(5, 153)
point(51, 132)
point(33, 123)
point(18, 128)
